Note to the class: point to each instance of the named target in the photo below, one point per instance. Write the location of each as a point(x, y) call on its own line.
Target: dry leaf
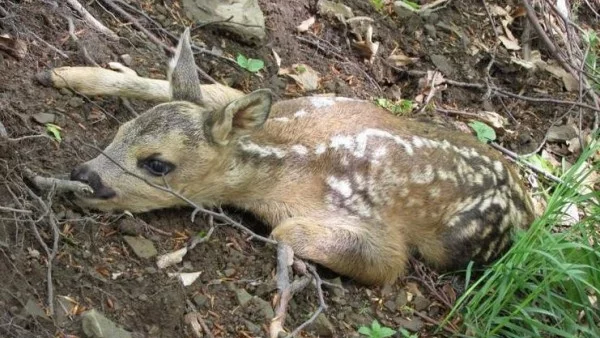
point(277, 58)
point(399, 59)
point(509, 44)
point(367, 47)
point(171, 258)
point(498, 11)
point(304, 76)
point(570, 82)
point(15, 47)
point(186, 278)
point(492, 118)
point(306, 24)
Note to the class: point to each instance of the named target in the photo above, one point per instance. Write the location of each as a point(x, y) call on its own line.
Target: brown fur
point(342, 181)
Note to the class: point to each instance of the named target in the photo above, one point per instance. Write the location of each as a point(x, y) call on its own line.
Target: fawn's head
point(181, 144)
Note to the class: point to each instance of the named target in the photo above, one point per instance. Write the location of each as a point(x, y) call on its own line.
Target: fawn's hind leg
point(347, 246)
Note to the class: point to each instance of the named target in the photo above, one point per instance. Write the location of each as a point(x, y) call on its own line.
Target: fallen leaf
point(171, 258)
point(277, 58)
point(186, 278)
point(569, 81)
point(14, 47)
point(492, 118)
point(509, 44)
point(304, 75)
point(306, 24)
point(399, 59)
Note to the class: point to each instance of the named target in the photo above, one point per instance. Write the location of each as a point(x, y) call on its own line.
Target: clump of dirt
point(96, 269)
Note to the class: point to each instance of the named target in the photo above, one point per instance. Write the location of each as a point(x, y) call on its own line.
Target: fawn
point(346, 184)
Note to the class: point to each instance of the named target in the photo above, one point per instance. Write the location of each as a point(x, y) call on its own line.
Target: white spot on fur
point(341, 186)
point(262, 151)
point(498, 167)
point(359, 180)
point(281, 119)
point(447, 176)
point(321, 148)
point(357, 204)
point(423, 176)
point(300, 149)
point(363, 138)
point(300, 113)
point(380, 152)
point(435, 192)
point(321, 102)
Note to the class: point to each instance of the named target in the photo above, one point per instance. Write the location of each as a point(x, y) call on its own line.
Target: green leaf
point(414, 5)
point(364, 330)
point(254, 65)
point(242, 61)
point(54, 130)
point(484, 132)
point(386, 332)
point(375, 326)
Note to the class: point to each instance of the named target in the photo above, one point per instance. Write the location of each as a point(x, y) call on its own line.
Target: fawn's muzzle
point(83, 174)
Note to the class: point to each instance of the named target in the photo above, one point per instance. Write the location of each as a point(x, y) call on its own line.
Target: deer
point(345, 183)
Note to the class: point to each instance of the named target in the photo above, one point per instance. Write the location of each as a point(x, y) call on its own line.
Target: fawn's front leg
point(346, 245)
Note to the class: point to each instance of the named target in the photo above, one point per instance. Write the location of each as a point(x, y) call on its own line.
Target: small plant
point(251, 65)
point(406, 334)
point(484, 132)
point(400, 107)
point(376, 330)
point(54, 130)
point(378, 4)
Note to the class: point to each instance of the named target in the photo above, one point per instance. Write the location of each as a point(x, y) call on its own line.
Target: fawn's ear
point(241, 116)
point(183, 77)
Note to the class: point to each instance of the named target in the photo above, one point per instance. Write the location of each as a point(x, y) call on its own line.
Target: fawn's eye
point(157, 167)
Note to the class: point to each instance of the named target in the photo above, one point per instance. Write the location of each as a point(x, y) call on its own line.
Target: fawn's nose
point(84, 174)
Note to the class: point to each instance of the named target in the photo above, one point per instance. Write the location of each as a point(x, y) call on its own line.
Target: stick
point(61, 186)
point(92, 21)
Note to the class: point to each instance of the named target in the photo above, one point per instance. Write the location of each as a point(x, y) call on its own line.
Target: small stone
point(390, 305)
point(430, 30)
point(143, 297)
point(127, 59)
point(401, 299)
point(561, 133)
point(66, 92)
point(256, 329)
point(130, 226)
point(334, 10)
point(141, 247)
point(43, 118)
point(443, 64)
point(322, 326)
point(150, 270)
point(96, 325)
point(229, 272)
point(421, 303)
point(242, 296)
point(32, 308)
point(76, 102)
point(265, 308)
point(415, 324)
point(200, 300)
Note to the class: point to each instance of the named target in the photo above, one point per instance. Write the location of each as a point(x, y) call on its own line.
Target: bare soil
point(96, 269)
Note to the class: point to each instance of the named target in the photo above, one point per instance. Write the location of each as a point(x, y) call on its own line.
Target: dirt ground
point(96, 269)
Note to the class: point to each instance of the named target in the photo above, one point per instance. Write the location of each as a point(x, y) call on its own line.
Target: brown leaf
point(15, 47)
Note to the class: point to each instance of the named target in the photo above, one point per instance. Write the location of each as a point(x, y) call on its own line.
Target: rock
point(247, 19)
point(242, 296)
point(76, 102)
point(66, 92)
point(43, 118)
point(443, 64)
point(415, 324)
point(130, 226)
point(256, 329)
point(421, 303)
point(33, 309)
point(334, 10)
point(561, 133)
point(264, 308)
point(229, 272)
point(390, 305)
point(141, 247)
point(430, 30)
point(127, 59)
point(143, 297)
point(401, 299)
point(322, 326)
point(96, 325)
point(200, 300)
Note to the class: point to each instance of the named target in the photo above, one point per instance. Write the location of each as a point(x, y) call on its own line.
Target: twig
point(60, 185)
point(91, 20)
point(80, 45)
point(20, 211)
point(150, 35)
point(322, 306)
point(519, 159)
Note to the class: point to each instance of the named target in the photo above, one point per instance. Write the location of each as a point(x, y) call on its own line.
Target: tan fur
point(342, 181)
